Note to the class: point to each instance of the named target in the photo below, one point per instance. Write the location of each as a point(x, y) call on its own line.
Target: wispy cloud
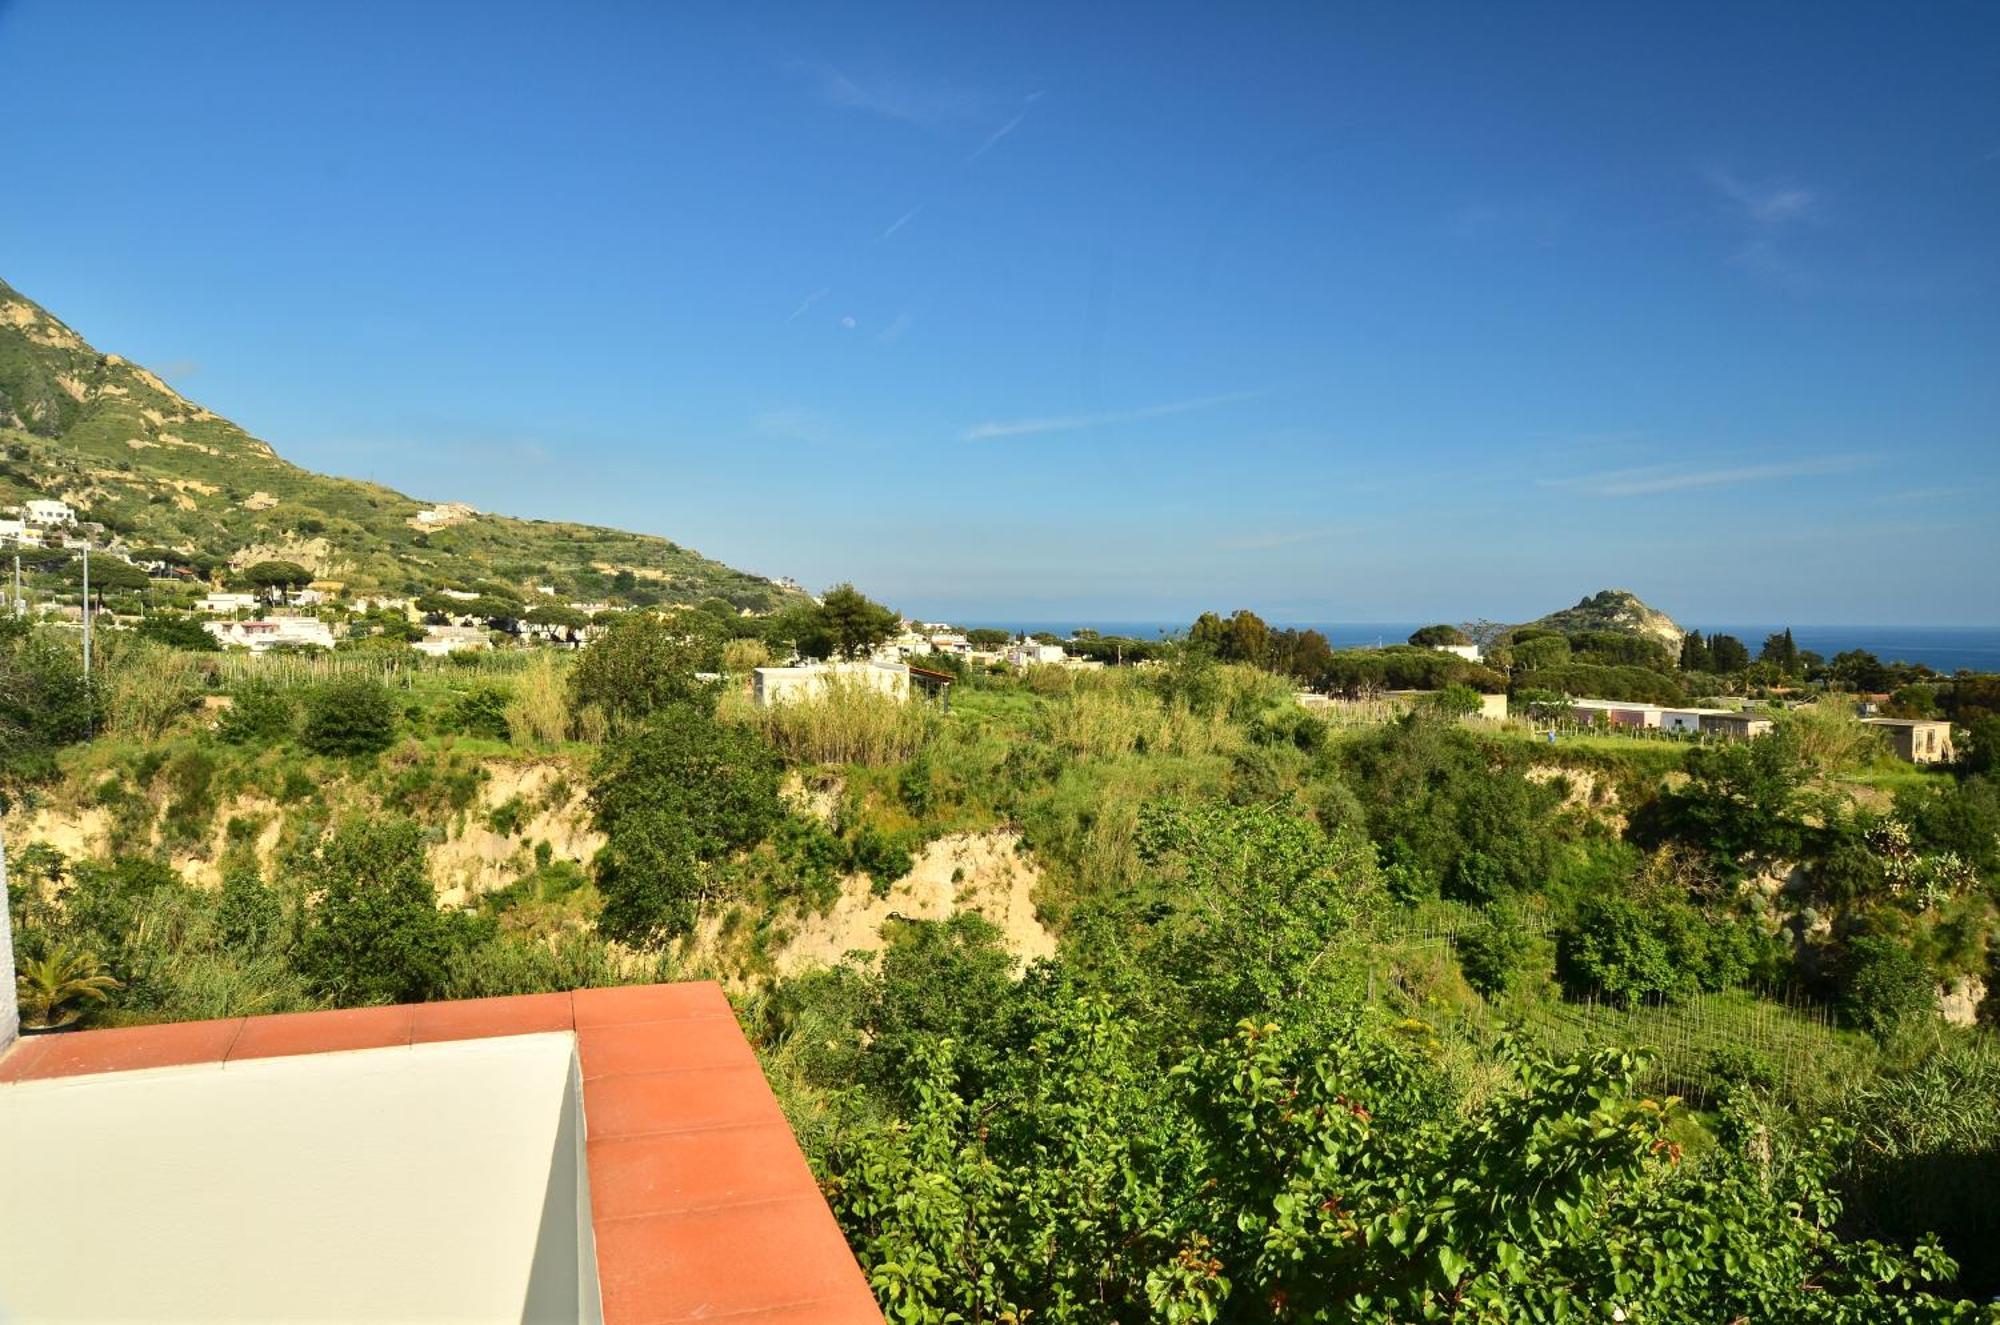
point(900, 222)
point(808, 302)
point(996, 136)
point(1655, 479)
point(892, 333)
point(1766, 203)
point(1006, 128)
point(935, 107)
point(998, 428)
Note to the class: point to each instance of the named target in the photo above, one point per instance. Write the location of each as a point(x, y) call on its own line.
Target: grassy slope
point(115, 440)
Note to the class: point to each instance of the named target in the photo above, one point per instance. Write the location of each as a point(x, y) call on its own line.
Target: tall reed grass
point(846, 723)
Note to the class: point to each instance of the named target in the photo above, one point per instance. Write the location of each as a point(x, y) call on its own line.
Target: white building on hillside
point(226, 604)
point(47, 513)
point(1469, 652)
point(440, 640)
point(1029, 653)
point(267, 634)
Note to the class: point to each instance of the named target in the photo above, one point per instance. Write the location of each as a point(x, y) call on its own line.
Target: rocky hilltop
point(1617, 610)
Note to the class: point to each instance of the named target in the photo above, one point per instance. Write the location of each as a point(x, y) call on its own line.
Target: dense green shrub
point(481, 713)
point(258, 713)
point(1884, 986)
point(882, 857)
point(353, 715)
point(1630, 950)
point(670, 796)
point(1451, 814)
point(372, 931)
point(177, 631)
point(1501, 956)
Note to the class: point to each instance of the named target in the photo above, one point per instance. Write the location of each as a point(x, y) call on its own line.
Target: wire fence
point(398, 670)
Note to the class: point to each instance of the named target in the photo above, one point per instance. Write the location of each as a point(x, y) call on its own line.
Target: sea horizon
point(1946, 649)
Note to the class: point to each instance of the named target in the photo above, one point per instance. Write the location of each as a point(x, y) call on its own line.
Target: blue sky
point(1384, 312)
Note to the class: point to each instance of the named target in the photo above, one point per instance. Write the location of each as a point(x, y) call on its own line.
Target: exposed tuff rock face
point(1958, 1002)
point(984, 873)
point(1619, 610)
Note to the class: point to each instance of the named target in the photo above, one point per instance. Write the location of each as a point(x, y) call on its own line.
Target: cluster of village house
point(894, 670)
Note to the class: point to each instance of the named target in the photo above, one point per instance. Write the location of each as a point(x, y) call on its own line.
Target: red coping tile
point(323, 1032)
point(124, 1049)
point(662, 1046)
point(673, 1172)
point(18, 1059)
point(733, 1261)
point(630, 1003)
point(479, 1018)
point(678, 1102)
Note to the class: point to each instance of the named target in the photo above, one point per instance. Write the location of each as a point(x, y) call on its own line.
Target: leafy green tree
point(671, 797)
point(351, 715)
point(1501, 956)
point(1256, 908)
point(1450, 816)
point(1541, 653)
point(180, 632)
point(44, 702)
point(371, 930)
point(1431, 637)
point(1695, 654)
point(1884, 986)
point(1727, 654)
point(258, 713)
point(1781, 651)
point(855, 623)
point(988, 637)
point(1742, 803)
point(276, 580)
point(249, 915)
point(645, 663)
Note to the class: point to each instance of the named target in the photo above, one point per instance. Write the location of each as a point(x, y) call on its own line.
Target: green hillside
point(156, 469)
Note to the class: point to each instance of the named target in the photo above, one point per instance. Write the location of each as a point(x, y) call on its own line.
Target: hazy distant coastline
point(1946, 648)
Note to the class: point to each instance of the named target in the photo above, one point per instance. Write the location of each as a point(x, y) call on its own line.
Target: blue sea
point(1946, 648)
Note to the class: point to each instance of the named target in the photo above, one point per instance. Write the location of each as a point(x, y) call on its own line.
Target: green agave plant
point(50, 987)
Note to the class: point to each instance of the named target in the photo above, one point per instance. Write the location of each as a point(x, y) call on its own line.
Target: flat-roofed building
point(1739, 726)
point(1917, 740)
point(783, 685)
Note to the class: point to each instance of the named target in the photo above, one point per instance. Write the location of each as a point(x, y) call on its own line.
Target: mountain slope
point(156, 469)
point(1618, 610)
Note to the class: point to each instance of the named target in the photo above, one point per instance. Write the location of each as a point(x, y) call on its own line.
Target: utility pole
point(86, 612)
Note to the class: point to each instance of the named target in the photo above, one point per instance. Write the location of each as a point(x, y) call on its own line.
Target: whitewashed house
point(226, 604)
point(267, 634)
point(47, 513)
point(440, 640)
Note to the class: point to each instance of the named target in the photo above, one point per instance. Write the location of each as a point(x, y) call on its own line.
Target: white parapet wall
point(432, 1182)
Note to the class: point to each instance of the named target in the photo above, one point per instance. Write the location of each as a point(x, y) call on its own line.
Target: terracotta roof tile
point(674, 1172)
point(651, 1046)
point(123, 1049)
point(721, 1263)
point(323, 1032)
point(629, 1003)
point(479, 1018)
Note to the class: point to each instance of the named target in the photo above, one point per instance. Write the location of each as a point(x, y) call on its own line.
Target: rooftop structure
point(783, 685)
point(610, 1155)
